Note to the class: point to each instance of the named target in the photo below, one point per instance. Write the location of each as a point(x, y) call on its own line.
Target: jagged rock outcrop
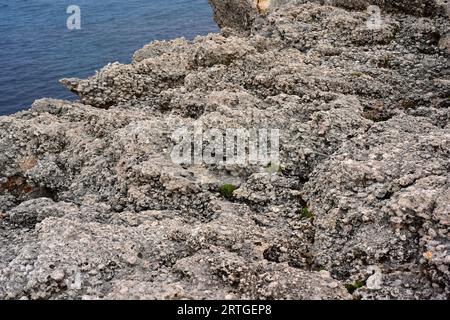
point(92, 205)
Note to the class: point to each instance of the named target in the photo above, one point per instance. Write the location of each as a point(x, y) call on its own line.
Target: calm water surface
point(37, 49)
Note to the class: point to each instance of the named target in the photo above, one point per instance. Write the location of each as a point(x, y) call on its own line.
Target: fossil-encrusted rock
point(92, 205)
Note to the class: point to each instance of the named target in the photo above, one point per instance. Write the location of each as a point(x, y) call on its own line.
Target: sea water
point(40, 42)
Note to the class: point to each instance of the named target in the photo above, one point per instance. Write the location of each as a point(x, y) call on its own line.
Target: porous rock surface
point(93, 207)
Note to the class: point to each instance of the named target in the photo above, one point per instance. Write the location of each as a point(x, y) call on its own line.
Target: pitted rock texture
point(93, 207)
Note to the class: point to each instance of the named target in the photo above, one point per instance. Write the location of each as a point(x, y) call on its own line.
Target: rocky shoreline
point(93, 207)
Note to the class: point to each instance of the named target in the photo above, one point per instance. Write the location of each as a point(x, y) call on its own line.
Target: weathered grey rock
point(235, 14)
point(93, 207)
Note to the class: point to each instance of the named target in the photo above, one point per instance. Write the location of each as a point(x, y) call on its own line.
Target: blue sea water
point(37, 49)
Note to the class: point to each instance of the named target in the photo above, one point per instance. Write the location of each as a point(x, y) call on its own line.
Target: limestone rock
point(92, 206)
